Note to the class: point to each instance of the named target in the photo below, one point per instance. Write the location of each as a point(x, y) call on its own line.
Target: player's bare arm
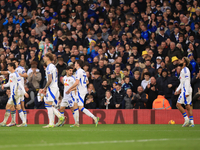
point(23, 75)
point(49, 81)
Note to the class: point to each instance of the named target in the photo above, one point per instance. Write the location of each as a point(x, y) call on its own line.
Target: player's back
point(81, 76)
point(51, 69)
point(21, 70)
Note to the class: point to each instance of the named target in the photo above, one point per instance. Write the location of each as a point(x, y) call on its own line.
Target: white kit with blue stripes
point(185, 87)
point(82, 86)
point(52, 90)
point(68, 99)
point(15, 84)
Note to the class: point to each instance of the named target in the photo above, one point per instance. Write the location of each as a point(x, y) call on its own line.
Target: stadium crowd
point(130, 48)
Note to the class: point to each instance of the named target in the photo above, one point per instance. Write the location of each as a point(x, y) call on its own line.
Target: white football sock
point(21, 114)
point(76, 116)
point(50, 115)
point(7, 114)
point(88, 113)
point(25, 115)
point(56, 112)
point(13, 115)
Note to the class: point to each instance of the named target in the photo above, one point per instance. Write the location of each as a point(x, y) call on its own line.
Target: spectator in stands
point(146, 80)
point(118, 96)
point(128, 99)
point(161, 103)
point(152, 91)
point(167, 84)
point(97, 80)
point(196, 82)
point(196, 100)
point(107, 102)
point(140, 99)
point(89, 103)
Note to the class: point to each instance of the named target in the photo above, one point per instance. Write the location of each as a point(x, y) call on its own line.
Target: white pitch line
point(94, 142)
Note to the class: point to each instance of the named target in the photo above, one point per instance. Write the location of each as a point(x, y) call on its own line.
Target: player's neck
point(78, 68)
point(48, 62)
point(12, 71)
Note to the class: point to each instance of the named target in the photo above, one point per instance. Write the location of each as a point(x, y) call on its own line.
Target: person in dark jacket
point(196, 82)
point(128, 99)
point(136, 81)
point(140, 99)
point(97, 80)
point(152, 92)
point(89, 103)
point(167, 84)
point(195, 66)
point(107, 102)
point(60, 66)
point(196, 100)
point(174, 51)
point(118, 96)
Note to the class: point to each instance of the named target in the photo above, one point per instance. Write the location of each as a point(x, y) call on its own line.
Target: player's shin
point(76, 116)
point(56, 112)
point(13, 116)
point(50, 115)
point(88, 113)
point(7, 114)
point(21, 114)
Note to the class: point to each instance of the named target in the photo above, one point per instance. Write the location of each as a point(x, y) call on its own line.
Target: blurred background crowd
point(130, 48)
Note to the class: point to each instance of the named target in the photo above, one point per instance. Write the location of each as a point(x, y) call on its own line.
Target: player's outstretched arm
point(4, 72)
point(23, 75)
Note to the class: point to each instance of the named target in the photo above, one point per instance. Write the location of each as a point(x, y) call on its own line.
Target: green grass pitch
point(103, 137)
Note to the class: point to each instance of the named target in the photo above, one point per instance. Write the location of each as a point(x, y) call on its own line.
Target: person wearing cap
point(182, 28)
point(144, 55)
point(158, 62)
point(161, 36)
point(161, 103)
point(195, 67)
point(174, 64)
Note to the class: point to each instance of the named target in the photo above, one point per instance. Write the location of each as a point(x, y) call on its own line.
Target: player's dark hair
point(14, 59)
point(69, 67)
point(50, 56)
point(12, 65)
point(80, 62)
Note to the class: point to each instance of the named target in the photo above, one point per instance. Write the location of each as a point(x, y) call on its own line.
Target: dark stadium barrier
point(114, 116)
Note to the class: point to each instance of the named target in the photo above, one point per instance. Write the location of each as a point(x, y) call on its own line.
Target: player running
point(22, 74)
point(52, 91)
point(81, 86)
point(69, 99)
point(17, 90)
point(185, 91)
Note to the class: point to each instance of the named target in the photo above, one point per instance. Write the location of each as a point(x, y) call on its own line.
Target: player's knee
point(178, 105)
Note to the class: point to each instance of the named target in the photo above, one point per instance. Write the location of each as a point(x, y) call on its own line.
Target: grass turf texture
point(113, 137)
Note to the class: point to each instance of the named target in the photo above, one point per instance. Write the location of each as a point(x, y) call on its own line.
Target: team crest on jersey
point(66, 84)
point(10, 80)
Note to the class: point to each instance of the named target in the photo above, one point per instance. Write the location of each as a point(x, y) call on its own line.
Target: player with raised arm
point(52, 91)
point(185, 91)
point(22, 74)
point(81, 86)
point(16, 90)
point(69, 99)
